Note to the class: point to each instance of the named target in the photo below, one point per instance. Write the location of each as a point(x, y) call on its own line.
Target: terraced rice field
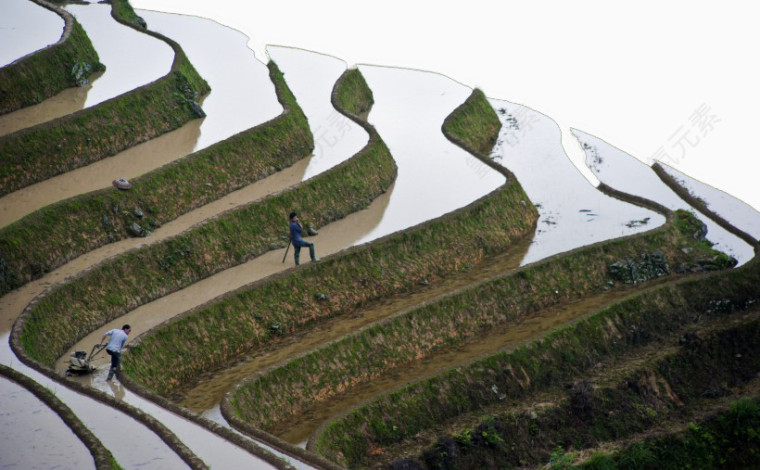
point(476, 302)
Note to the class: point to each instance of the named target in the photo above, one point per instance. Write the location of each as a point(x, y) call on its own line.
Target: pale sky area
point(669, 79)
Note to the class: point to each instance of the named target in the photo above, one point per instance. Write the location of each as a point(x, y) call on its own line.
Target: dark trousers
point(297, 250)
point(115, 359)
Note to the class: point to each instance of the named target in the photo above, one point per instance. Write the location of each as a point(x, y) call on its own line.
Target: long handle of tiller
point(94, 353)
point(286, 252)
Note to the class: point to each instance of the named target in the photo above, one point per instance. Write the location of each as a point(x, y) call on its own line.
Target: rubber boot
point(297, 254)
point(111, 373)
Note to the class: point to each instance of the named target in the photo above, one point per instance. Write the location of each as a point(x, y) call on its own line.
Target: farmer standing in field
point(297, 240)
point(113, 348)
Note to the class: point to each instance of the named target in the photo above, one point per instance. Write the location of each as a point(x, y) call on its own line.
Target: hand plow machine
point(80, 362)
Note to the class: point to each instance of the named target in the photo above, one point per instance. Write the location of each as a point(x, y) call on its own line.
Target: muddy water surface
point(625, 173)
point(324, 70)
point(238, 101)
point(210, 447)
point(13, 303)
point(132, 444)
point(32, 435)
point(128, 164)
point(26, 27)
point(331, 239)
point(132, 58)
point(66, 102)
point(312, 77)
point(434, 176)
point(242, 95)
point(572, 213)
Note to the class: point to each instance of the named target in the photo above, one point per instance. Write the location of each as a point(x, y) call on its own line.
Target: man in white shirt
point(113, 348)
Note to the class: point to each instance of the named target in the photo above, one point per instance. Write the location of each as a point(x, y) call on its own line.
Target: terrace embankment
point(40, 152)
point(285, 304)
point(412, 418)
point(302, 386)
point(51, 236)
point(277, 397)
point(137, 277)
point(650, 386)
point(725, 438)
point(42, 74)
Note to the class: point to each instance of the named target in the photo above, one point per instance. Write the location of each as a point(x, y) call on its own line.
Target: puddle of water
point(434, 176)
point(242, 94)
point(26, 27)
point(132, 59)
point(132, 444)
point(572, 212)
point(66, 102)
point(32, 435)
point(311, 77)
point(625, 173)
point(737, 212)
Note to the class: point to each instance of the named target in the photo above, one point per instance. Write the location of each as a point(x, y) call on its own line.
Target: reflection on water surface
point(572, 212)
point(26, 27)
point(434, 175)
point(625, 173)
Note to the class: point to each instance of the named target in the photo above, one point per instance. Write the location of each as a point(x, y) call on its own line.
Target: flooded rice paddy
point(33, 436)
point(572, 212)
point(26, 27)
point(434, 175)
point(311, 77)
point(434, 178)
point(66, 102)
point(131, 443)
point(737, 212)
point(625, 173)
point(249, 93)
point(132, 58)
point(239, 100)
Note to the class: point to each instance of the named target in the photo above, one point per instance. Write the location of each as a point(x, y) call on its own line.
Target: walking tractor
point(80, 362)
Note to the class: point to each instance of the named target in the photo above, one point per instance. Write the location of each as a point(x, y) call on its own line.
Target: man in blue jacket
point(113, 348)
point(297, 240)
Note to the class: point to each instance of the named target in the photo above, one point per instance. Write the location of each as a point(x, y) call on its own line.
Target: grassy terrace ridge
point(51, 148)
point(44, 73)
point(139, 276)
point(556, 358)
point(727, 439)
point(353, 94)
point(279, 395)
point(60, 232)
point(219, 332)
point(476, 124)
point(654, 387)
